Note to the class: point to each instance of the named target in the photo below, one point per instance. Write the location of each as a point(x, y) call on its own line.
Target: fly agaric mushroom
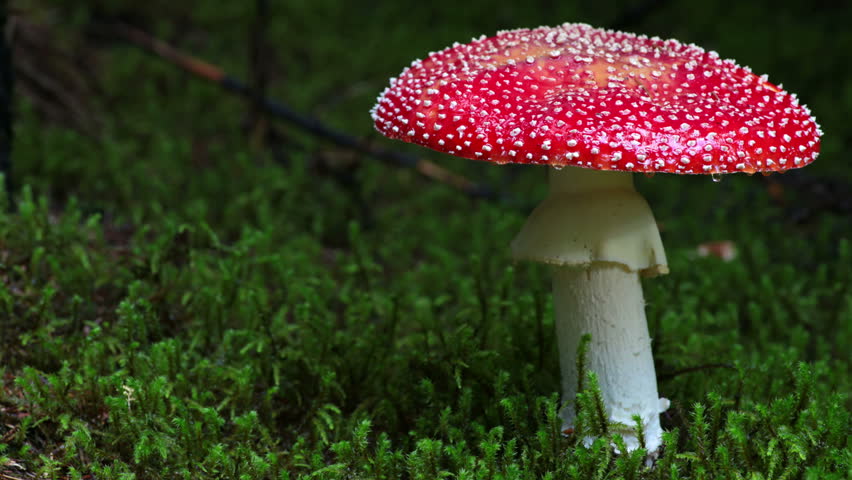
point(612, 104)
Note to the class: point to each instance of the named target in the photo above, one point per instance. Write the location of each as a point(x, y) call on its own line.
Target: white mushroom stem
point(607, 303)
point(600, 235)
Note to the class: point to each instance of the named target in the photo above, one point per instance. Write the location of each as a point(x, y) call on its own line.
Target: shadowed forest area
point(213, 266)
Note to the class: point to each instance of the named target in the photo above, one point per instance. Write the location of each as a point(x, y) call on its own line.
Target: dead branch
point(212, 73)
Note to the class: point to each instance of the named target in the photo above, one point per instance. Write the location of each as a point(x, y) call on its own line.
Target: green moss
point(177, 304)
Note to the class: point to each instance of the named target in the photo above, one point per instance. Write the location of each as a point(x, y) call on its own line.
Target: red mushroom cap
point(587, 97)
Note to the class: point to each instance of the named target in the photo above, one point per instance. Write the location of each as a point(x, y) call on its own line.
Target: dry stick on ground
point(56, 73)
point(258, 72)
point(214, 74)
point(6, 83)
point(696, 368)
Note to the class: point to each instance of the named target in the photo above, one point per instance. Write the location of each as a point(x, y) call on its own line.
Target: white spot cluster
point(577, 95)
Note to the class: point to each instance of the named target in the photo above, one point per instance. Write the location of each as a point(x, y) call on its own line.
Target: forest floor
point(190, 288)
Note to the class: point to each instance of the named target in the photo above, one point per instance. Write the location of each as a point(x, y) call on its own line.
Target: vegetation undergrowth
point(179, 302)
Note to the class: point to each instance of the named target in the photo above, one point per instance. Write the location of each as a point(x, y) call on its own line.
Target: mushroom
point(596, 106)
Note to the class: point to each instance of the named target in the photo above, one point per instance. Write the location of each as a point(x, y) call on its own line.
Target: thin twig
point(259, 72)
point(6, 85)
point(708, 366)
point(9, 477)
point(216, 75)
